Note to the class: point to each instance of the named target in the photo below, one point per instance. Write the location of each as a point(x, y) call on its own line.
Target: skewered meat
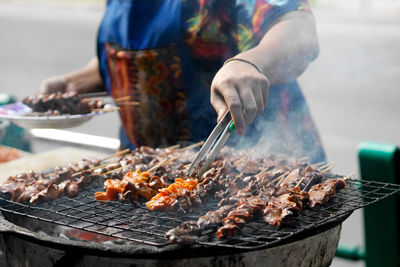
point(34, 186)
point(136, 183)
point(167, 197)
point(250, 167)
point(235, 219)
point(280, 208)
point(51, 192)
point(321, 193)
point(72, 189)
point(61, 103)
point(308, 172)
point(187, 231)
point(275, 205)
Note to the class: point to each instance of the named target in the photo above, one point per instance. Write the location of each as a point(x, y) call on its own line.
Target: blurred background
point(352, 88)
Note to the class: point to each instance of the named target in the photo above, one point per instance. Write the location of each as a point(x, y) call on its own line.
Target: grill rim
point(152, 252)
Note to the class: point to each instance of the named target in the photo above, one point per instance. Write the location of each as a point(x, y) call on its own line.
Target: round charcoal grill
point(81, 231)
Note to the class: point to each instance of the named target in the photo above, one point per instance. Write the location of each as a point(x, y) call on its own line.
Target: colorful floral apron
point(165, 53)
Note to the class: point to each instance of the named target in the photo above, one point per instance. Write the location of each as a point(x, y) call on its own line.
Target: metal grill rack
point(135, 223)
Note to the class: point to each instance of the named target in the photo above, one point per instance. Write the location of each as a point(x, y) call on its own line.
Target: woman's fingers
point(233, 101)
point(264, 90)
point(259, 98)
point(219, 104)
point(226, 97)
point(240, 88)
point(238, 118)
point(53, 85)
point(250, 107)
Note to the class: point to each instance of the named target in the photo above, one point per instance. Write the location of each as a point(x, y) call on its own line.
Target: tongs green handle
point(231, 127)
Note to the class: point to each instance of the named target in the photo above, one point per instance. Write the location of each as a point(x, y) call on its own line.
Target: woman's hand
point(84, 80)
point(53, 85)
point(241, 88)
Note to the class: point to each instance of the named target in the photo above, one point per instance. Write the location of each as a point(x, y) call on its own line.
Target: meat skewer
point(285, 203)
point(62, 103)
point(133, 186)
point(279, 178)
point(319, 164)
point(321, 193)
point(327, 169)
point(161, 163)
point(167, 198)
point(188, 231)
point(191, 146)
point(243, 158)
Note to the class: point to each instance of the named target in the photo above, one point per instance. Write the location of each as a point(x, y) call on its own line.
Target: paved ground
point(352, 88)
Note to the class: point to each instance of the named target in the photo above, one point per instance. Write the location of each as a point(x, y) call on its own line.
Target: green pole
point(353, 253)
point(381, 162)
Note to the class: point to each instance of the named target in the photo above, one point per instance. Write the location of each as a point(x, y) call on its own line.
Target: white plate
point(18, 114)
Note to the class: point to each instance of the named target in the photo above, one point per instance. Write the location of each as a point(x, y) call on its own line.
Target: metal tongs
point(213, 145)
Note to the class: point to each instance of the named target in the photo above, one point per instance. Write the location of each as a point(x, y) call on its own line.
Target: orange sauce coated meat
point(168, 196)
point(115, 187)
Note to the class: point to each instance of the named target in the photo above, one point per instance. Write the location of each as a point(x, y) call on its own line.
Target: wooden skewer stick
point(281, 180)
point(119, 153)
point(172, 147)
point(319, 164)
point(161, 163)
point(191, 146)
point(133, 103)
point(106, 110)
point(243, 158)
point(261, 172)
point(327, 169)
point(348, 176)
point(158, 165)
point(116, 169)
point(326, 165)
point(207, 172)
point(299, 182)
point(94, 168)
point(280, 177)
point(122, 98)
point(323, 166)
point(186, 166)
point(302, 159)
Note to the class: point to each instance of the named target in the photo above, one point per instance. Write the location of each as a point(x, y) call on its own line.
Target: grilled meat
point(61, 103)
point(168, 197)
point(188, 231)
point(321, 193)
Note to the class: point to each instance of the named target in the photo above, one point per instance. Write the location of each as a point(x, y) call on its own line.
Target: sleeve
point(255, 17)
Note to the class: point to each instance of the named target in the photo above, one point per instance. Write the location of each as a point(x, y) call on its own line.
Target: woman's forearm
point(287, 48)
point(86, 79)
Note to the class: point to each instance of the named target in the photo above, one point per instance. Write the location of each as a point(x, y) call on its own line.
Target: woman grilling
point(185, 60)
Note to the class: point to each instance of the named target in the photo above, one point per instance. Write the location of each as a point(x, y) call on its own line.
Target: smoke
point(286, 128)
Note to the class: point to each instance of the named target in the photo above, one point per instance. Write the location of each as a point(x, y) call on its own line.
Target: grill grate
point(126, 221)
